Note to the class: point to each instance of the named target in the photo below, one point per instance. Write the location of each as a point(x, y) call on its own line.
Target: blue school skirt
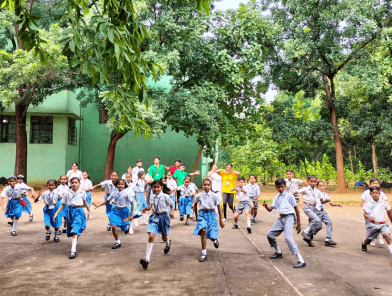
point(207, 221)
point(117, 216)
point(160, 226)
point(76, 221)
point(27, 208)
point(173, 198)
point(63, 213)
point(88, 198)
point(185, 205)
point(48, 217)
point(142, 201)
point(14, 209)
point(108, 206)
point(136, 212)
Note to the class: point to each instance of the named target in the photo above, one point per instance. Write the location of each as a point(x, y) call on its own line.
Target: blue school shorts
point(76, 221)
point(185, 205)
point(207, 221)
point(48, 217)
point(160, 226)
point(14, 209)
point(117, 216)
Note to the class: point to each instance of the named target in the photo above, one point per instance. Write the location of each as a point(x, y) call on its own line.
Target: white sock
point(327, 239)
point(73, 247)
point(131, 226)
point(30, 214)
point(55, 233)
point(15, 224)
point(300, 259)
point(143, 218)
point(251, 217)
point(167, 242)
point(137, 222)
point(390, 248)
point(278, 250)
point(204, 252)
point(149, 250)
point(236, 223)
point(118, 241)
point(248, 223)
point(192, 213)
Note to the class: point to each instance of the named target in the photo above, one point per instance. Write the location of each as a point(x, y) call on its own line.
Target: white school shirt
point(292, 185)
point(171, 184)
point(71, 174)
point(135, 173)
point(130, 190)
point(25, 186)
point(109, 186)
point(161, 203)
point(186, 191)
point(62, 190)
point(73, 199)
point(86, 184)
point(321, 196)
point(253, 190)
point(216, 182)
point(308, 194)
point(139, 186)
point(368, 198)
point(208, 200)
point(240, 195)
point(194, 186)
point(120, 199)
point(12, 193)
point(284, 203)
point(50, 198)
point(377, 210)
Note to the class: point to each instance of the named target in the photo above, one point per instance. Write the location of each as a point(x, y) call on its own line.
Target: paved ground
point(241, 266)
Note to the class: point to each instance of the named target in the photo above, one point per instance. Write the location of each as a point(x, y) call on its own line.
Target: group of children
point(125, 202)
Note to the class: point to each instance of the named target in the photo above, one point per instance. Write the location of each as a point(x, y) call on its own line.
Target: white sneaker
point(380, 239)
point(223, 219)
point(90, 216)
point(373, 242)
point(130, 231)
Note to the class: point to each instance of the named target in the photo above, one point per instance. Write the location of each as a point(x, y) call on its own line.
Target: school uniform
point(216, 185)
point(135, 173)
point(319, 210)
point(376, 210)
point(50, 199)
point(284, 203)
point(27, 208)
point(171, 184)
point(62, 190)
point(159, 221)
point(87, 184)
point(253, 191)
point(185, 200)
point(244, 203)
point(292, 186)
point(136, 211)
point(310, 200)
point(71, 174)
point(109, 188)
point(14, 208)
point(138, 187)
point(120, 211)
point(76, 218)
point(206, 218)
point(149, 179)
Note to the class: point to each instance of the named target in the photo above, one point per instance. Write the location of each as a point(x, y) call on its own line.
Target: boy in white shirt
point(292, 184)
point(244, 204)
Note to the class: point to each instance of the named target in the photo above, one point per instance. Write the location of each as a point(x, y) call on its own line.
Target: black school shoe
point(11, 223)
point(126, 231)
point(187, 223)
point(276, 256)
point(249, 230)
point(144, 263)
point(56, 239)
point(59, 232)
point(116, 246)
point(181, 218)
point(216, 243)
point(47, 236)
point(235, 226)
point(299, 265)
point(167, 248)
point(31, 218)
point(73, 255)
point(203, 258)
point(364, 247)
point(330, 243)
point(13, 233)
point(109, 227)
point(64, 230)
point(309, 242)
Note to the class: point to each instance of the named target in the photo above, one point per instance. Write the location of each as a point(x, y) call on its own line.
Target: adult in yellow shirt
point(229, 181)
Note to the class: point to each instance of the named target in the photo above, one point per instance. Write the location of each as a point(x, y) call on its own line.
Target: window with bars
point(7, 129)
point(41, 130)
point(72, 132)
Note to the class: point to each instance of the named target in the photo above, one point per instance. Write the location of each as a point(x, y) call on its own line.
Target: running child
point(136, 170)
point(139, 188)
point(185, 202)
point(27, 208)
point(244, 204)
point(207, 224)
point(159, 221)
point(15, 203)
point(76, 218)
point(135, 204)
point(62, 189)
point(254, 194)
point(286, 205)
point(120, 215)
point(87, 185)
point(179, 175)
point(194, 186)
point(374, 212)
point(109, 188)
point(322, 199)
point(292, 184)
point(171, 184)
point(50, 198)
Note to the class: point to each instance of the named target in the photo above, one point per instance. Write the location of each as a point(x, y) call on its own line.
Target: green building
point(60, 132)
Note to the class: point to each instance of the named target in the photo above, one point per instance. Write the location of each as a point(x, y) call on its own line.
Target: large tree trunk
point(21, 140)
point(330, 93)
point(375, 160)
point(114, 137)
point(197, 161)
point(351, 161)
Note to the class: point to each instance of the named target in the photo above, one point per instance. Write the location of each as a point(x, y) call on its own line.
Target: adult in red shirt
point(176, 166)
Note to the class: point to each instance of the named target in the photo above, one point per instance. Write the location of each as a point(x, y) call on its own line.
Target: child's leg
point(74, 242)
point(224, 197)
point(115, 232)
point(328, 222)
point(273, 233)
point(150, 243)
point(288, 235)
point(203, 237)
point(252, 211)
point(387, 238)
point(247, 215)
point(15, 224)
point(236, 215)
point(314, 221)
point(231, 201)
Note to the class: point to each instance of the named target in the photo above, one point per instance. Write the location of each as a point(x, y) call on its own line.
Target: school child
point(120, 215)
point(374, 212)
point(253, 190)
point(216, 180)
point(76, 218)
point(171, 185)
point(244, 204)
point(286, 205)
point(135, 204)
point(62, 189)
point(15, 202)
point(147, 181)
point(185, 201)
point(322, 199)
point(87, 185)
point(129, 171)
point(309, 199)
point(50, 198)
point(292, 184)
point(109, 188)
point(194, 186)
point(136, 170)
point(74, 172)
point(365, 197)
point(27, 208)
point(180, 174)
point(159, 221)
point(207, 224)
point(139, 188)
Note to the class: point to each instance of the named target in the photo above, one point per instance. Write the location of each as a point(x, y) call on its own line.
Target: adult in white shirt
point(74, 172)
point(216, 181)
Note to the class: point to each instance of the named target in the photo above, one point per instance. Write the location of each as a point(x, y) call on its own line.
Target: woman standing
point(74, 172)
point(216, 181)
point(229, 178)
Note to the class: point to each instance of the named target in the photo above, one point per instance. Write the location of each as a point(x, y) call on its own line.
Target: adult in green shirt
point(156, 171)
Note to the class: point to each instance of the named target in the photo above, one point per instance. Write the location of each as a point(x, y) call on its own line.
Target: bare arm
point(195, 173)
point(267, 206)
point(88, 208)
point(95, 187)
point(372, 220)
point(36, 198)
point(101, 204)
point(172, 211)
point(390, 214)
point(58, 211)
point(222, 224)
